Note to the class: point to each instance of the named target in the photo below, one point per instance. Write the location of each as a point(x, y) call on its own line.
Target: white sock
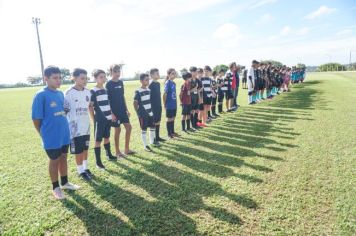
point(85, 164)
point(80, 169)
point(143, 136)
point(152, 135)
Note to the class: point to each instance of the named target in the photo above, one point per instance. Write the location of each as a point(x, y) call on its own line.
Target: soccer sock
point(195, 119)
point(107, 149)
point(85, 164)
point(64, 180)
point(152, 135)
point(80, 169)
point(168, 127)
point(213, 109)
point(143, 136)
point(172, 127)
point(55, 185)
point(97, 151)
point(249, 98)
point(192, 119)
point(209, 114)
point(188, 124)
point(220, 108)
point(157, 131)
point(183, 125)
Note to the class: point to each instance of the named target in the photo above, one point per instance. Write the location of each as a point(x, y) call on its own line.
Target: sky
point(172, 33)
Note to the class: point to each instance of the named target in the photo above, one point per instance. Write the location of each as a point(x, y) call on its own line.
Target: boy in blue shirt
point(51, 123)
point(170, 102)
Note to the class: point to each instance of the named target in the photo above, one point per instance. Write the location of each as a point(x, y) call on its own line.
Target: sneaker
point(85, 176)
point(252, 103)
point(161, 140)
point(156, 143)
point(192, 130)
point(100, 166)
point(70, 186)
point(199, 124)
point(148, 149)
point(175, 135)
point(89, 173)
point(111, 158)
point(58, 194)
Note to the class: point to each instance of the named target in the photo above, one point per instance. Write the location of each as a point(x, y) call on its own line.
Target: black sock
point(183, 125)
point(220, 108)
point(168, 124)
point(107, 149)
point(199, 121)
point(213, 110)
point(188, 124)
point(55, 185)
point(173, 127)
point(97, 151)
point(209, 114)
point(64, 180)
point(157, 132)
point(192, 119)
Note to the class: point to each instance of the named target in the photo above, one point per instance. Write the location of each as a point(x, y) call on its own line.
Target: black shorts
point(157, 114)
point(206, 100)
point(54, 154)
point(102, 129)
point(213, 101)
point(146, 122)
point(122, 117)
point(170, 113)
point(201, 107)
point(244, 80)
point(221, 95)
point(228, 95)
point(186, 109)
point(195, 100)
point(79, 144)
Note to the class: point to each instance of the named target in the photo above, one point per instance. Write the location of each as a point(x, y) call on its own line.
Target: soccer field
point(285, 166)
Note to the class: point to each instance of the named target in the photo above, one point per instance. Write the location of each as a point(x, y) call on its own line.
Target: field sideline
point(282, 167)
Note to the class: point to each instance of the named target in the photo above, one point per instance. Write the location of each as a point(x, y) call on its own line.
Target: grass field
point(283, 167)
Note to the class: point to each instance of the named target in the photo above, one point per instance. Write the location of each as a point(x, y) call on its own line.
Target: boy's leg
point(183, 122)
point(117, 140)
point(128, 128)
point(53, 168)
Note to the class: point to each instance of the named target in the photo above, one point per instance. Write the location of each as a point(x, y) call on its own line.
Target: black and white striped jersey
point(206, 82)
point(143, 98)
point(100, 100)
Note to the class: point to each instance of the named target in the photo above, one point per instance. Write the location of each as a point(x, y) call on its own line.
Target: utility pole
point(37, 21)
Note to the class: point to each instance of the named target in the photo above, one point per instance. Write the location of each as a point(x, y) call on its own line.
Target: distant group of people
point(63, 120)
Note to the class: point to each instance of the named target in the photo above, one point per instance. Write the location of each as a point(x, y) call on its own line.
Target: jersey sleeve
point(38, 107)
point(137, 96)
point(166, 87)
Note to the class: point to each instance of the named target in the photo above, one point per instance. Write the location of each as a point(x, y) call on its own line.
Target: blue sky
point(172, 33)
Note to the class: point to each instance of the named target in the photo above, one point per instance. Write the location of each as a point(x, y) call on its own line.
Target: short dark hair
point(186, 75)
point(255, 62)
point(78, 71)
point(200, 70)
point(215, 73)
point(193, 69)
point(232, 64)
point(143, 76)
point(97, 72)
point(153, 70)
point(50, 70)
point(221, 70)
point(208, 68)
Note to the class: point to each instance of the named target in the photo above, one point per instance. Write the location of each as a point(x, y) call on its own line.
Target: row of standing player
point(264, 81)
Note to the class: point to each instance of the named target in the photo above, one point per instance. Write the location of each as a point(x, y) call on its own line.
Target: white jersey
point(251, 82)
point(76, 105)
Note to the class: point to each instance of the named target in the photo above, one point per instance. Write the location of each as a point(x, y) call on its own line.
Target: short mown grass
point(282, 167)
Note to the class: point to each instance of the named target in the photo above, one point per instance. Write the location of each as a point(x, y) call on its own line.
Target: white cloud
point(322, 10)
point(302, 31)
point(228, 34)
point(286, 30)
point(264, 19)
point(260, 3)
point(344, 32)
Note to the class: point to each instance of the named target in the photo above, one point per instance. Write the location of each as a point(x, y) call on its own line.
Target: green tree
point(274, 63)
point(332, 67)
point(32, 80)
point(221, 66)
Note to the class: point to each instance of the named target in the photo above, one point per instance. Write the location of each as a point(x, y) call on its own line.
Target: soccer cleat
point(148, 149)
point(58, 194)
point(70, 186)
point(89, 173)
point(85, 176)
point(100, 166)
point(111, 158)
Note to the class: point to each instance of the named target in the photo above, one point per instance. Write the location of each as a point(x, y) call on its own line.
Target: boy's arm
point(37, 124)
point(135, 104)
point(91, 110)
point(164, 99)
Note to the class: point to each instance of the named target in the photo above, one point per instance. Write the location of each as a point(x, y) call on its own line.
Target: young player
point(76, 105)
point(142, 105)
point(186, 101)
point(228, 92)
point(194, 96)
point(156, 102)
point(207, 94)
point(200, 74)
point(251, 82)
point(120, 113)
point(221, 90)
point(170, 102)
point(49, 119)
point(244, 78)
point(234, 75)
point(214, 86)
point(100, 113)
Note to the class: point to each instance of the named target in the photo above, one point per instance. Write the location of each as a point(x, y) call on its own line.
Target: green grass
point(282, 167)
